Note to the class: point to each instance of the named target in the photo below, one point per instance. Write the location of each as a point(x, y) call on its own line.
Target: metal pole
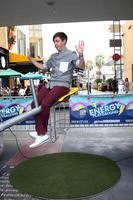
point(88, 83)
point(33, 92)
point(12, 121)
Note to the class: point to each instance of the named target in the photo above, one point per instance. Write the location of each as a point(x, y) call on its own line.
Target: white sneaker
point(33, 134)
point(39, 141)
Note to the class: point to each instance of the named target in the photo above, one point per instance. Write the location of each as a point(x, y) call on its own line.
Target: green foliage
point(109, 80)
point(98, 80)
point(99, 60)
point(89, 64)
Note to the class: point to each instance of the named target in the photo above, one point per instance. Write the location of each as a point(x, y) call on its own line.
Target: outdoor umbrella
point(32, 76)
point(9, 73)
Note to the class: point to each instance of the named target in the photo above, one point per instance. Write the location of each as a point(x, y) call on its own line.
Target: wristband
point(81, 56)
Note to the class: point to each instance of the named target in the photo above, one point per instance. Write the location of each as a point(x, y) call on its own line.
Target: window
point(21, 42)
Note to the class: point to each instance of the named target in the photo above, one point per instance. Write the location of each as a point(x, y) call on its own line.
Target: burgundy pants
point(46, 98)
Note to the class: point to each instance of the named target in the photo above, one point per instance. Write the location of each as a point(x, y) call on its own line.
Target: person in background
point(120, 86)
point(114, 85)
point(81, 86)
point(88, 86)
point(126, 86)
point(21, 90)
point(62, 65)
point(15, 91)
point(28, 91)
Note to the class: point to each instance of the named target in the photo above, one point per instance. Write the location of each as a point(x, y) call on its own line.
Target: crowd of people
point(15, 91)
point(118, 87)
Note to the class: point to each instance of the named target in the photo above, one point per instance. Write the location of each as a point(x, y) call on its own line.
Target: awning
point(18, 58)
point(21, 63)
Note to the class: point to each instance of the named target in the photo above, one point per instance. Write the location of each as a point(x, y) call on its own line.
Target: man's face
point(59, 44)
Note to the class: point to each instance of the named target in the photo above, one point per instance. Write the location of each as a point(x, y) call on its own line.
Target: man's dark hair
point(61, 35)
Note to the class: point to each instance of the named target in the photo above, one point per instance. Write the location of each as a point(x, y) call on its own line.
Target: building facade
point(128, 51)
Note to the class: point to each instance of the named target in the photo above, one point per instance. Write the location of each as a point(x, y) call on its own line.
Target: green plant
point(109, 80)
point(98, 80)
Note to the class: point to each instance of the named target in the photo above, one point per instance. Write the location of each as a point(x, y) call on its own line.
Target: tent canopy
point(10, 73)
point(33, 76)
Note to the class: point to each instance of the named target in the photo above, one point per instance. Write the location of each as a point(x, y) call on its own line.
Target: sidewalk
point(94, 92)
point(97, 92)
point(115, 143)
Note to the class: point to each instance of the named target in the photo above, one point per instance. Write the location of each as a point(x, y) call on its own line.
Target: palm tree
point(89, 65)
point(99, 60)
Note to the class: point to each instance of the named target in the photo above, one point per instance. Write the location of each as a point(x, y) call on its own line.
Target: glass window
point(21, 42)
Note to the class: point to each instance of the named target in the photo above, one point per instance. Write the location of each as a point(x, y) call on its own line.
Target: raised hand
point(80, 47)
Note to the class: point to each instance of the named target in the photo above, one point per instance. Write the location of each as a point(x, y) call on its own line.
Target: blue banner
point(12, 107)
point(101, 109)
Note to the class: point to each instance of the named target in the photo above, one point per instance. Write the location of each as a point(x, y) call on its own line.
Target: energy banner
point(11, 107)
point(101, 109)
